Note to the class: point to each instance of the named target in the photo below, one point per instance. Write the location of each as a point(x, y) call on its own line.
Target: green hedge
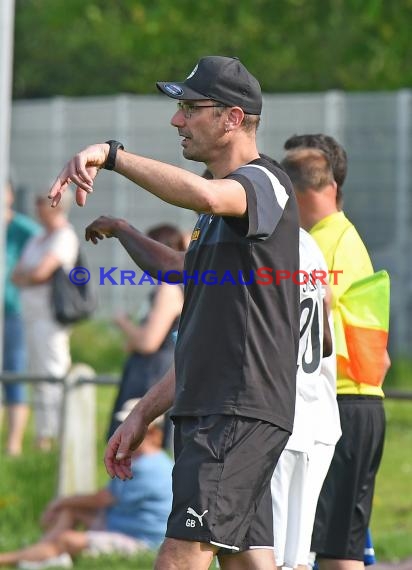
point(97, 47)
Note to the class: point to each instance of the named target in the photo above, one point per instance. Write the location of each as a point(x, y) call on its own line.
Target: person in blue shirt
point(124, 517)
point(19, 229)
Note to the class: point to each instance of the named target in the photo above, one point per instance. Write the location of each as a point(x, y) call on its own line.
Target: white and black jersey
point(313, 270)
point(237, 346)
point(312, 292)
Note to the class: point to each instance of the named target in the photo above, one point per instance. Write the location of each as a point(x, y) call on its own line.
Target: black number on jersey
point(313, 342)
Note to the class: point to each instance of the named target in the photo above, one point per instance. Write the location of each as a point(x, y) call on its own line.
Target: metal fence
point(78, 438)
point(375, 129)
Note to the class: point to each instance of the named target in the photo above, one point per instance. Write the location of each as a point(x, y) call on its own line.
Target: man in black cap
point(233, 392)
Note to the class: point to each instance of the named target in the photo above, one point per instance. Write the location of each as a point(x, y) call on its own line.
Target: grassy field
point(28, 483)
point(392, 511)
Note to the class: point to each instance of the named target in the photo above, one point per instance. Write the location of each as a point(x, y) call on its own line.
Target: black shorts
point(221, 480)
point(345, 502)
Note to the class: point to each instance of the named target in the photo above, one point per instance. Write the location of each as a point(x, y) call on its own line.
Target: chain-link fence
point(375, 129)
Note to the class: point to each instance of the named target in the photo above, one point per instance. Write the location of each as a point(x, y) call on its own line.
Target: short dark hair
point(334, 151)
point(250, 123)
point(308, 168)
point(168, 235)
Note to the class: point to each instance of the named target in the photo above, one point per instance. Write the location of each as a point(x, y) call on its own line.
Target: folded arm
point(26, 276)
point(93, 501)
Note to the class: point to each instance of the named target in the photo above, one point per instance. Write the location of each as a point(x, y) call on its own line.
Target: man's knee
point(253, 559)
point(71, 541)
point(177, 554)
point(63, 540)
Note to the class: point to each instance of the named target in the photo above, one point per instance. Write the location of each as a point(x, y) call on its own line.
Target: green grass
point(107, 355)
point(392, 510)
point(25, 487)
point(400, 374)
point(28, 483)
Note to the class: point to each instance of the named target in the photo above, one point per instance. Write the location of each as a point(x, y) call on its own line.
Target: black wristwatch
point(111, 157)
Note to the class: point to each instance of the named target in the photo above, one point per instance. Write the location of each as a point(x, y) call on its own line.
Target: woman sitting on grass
point(125, 517)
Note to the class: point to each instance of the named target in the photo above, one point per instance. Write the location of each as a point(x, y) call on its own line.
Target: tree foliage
point(90, 47)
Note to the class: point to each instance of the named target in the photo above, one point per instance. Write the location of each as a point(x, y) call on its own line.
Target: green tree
point(78, 47)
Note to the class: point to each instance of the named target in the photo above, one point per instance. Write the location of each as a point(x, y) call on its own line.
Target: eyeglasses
point(189, 108)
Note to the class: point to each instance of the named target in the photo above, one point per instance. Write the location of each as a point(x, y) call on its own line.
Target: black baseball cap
point(223, 79)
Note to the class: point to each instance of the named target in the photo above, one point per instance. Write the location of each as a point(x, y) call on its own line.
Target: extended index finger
point(59, 186)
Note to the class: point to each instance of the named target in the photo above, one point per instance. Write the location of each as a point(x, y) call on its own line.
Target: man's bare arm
point(327, 334)
point(131, 432)
point(183, 188)
point(169, 183)
point(150, 255)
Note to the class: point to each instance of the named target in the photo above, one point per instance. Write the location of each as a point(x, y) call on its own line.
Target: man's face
point(201, 127)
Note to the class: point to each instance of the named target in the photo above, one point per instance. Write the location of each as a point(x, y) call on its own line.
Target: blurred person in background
point(317, 165)
point(47, 340)
point(124, 517)
point(19, 229)
point(150, 343)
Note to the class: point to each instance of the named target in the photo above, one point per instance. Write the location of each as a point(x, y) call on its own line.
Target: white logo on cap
point(193, 72)
point(173, 89)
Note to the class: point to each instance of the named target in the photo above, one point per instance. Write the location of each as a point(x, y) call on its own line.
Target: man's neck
point(312, 218)
point(314, 207)
point(233, 156)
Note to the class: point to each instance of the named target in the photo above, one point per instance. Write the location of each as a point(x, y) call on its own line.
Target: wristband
point(111, 157)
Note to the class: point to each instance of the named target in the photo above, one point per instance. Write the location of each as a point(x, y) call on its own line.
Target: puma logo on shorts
point(192, 512)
